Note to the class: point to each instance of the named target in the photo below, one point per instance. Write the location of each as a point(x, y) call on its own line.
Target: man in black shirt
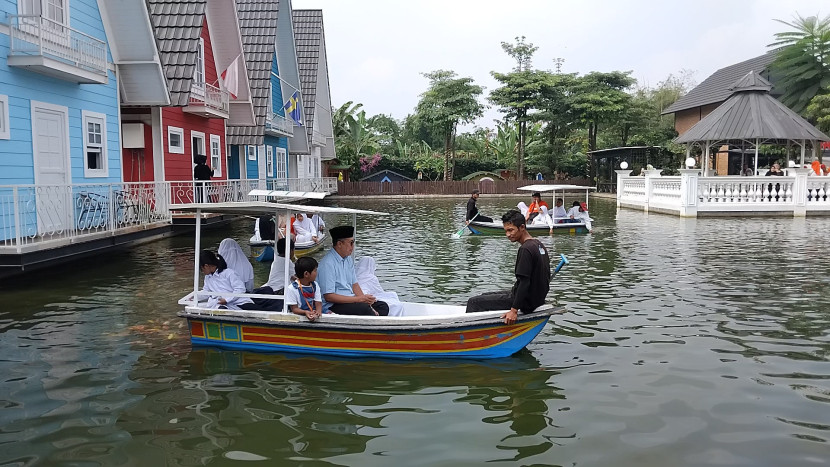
point(472, 210)
point(532, 275)
point(201, 172)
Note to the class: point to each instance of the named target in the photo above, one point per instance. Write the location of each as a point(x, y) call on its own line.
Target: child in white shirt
point(303, 295)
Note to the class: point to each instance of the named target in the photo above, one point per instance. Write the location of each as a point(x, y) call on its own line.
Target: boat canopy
point(543, 188)
point(254, 208)
point(288, 194)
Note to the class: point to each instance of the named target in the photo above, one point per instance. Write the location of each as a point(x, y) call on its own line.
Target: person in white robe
point(559, 212)
point(543, 218)
point(219, 280)
point(368, 281)
point(318, 223)
point(579, 213)
point(235, 258)
point(522, 208)
point(276, 279)
point(304, 229)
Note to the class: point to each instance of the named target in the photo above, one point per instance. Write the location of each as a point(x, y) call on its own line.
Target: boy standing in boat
point(532, 272)
point(303, 295)
point(472, 210)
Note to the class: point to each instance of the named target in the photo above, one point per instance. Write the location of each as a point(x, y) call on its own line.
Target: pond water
point(687, 342)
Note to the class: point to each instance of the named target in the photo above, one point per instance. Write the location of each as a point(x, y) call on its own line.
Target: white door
point(261, 167)
point(51, 159)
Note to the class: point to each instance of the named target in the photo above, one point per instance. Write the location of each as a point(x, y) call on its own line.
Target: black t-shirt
point(532, 276)
point(202, 172)
point(472, 210)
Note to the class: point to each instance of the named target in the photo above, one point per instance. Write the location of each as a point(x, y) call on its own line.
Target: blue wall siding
point(276, 142)
point(251, 167)
point(233, 164)
point(276, 89)
point(22, 87)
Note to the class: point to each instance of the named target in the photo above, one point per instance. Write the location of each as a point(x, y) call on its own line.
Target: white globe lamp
point(690, 162)
point(623, 165)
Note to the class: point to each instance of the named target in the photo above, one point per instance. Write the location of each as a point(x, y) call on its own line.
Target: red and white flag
point(231, 77)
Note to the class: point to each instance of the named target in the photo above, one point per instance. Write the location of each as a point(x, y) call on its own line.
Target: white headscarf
point(369, 284)
point(543, 218)
point(237, 261)
point(522, 208)
point(303, 227)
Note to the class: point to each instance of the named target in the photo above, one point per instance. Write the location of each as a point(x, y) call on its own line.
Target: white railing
point(208, 95)
point(32, 214)
point(745, 190)
point(33, 35)
point(278, 123)
point(211, 191)
point(665, 192)
point(320, 184)
point(632, 189)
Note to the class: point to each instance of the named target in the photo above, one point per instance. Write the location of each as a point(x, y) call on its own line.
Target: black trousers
point(501, 300)
point(360, 309)
point(481, 218)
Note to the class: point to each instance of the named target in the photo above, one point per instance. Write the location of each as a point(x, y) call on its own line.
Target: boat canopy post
point(756, 156)
point(196, 260)
point(354, 226)
point(286, 277)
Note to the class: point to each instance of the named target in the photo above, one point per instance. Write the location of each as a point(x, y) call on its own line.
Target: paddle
point(458, 234)
point(562, 262)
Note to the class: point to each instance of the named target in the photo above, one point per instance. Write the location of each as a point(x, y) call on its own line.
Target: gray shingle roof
point(258, 24)
point(715, 88)
point(177, 26)
point(308, 35)
point(751, 112)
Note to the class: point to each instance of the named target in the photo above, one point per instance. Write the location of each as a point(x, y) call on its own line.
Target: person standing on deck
point(201, 172)
point(338, 282)
point(532, 272)
point(472, 210)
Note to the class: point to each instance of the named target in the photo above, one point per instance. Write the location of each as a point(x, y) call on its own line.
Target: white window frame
point(269, 161)
point(199, 70)
point(5, 133)
point(216, 157)
point(174, 130)
point(36, 8)
point(88, 117)
point(251, 151)
point(201, 136)
point(282, 164)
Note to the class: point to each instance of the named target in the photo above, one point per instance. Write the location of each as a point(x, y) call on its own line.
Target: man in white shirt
point(276, 279)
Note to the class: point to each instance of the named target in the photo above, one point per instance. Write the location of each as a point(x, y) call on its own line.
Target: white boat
point(423, 330)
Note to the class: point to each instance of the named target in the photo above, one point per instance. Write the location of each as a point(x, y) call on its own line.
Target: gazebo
point(751, 117)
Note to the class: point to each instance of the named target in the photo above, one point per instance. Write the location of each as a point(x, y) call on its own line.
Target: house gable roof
point(715, 88)
point(258, 23)
point(308, 35)
point(177, 26)
point(750, 113)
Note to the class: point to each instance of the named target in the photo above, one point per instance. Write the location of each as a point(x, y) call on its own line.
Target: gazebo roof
point(750, 113)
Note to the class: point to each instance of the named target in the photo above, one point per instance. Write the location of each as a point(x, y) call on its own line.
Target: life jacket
point(307, 297)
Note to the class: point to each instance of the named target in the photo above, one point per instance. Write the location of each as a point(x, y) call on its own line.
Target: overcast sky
point(377, 49)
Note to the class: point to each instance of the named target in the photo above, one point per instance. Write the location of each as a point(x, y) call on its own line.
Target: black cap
point(536, 195)
point(340, 232)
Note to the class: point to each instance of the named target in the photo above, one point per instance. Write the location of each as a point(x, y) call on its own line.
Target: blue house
point(260, 152)
point(59, 120)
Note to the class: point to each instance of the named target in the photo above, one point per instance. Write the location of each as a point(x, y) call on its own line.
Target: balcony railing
point(36, 36)
point(280, 125)
point(208, 100)
point(43, 216)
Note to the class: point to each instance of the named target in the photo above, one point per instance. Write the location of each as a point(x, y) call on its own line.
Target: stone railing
point(34, 35)
point(690, 193)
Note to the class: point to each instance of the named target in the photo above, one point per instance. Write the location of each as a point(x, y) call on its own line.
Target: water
point(687, 342)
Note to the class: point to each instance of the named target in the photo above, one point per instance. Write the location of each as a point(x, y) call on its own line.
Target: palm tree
point(803, 60)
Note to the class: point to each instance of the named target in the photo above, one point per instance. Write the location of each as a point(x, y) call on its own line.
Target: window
point(4, 117)
point(95, 144)
point(251, 153)
point(269, 161)
point(197, 146)
point(175, 140)
point(216, 155)
point(281, 169)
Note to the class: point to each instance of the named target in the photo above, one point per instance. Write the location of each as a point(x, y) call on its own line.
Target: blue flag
point(292, 108)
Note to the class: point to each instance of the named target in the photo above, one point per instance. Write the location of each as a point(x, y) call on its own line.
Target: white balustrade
point(745, 190)
point(207, 95)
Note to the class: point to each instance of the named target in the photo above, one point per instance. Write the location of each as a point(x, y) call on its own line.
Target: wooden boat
point(559, 226)
point(424, 330)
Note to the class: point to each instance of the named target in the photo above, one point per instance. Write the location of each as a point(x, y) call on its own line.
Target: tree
point(803, 60)
point(360, 139)
point(819, 111)
point(600, 98)
point(520, 92)
point(447, 102)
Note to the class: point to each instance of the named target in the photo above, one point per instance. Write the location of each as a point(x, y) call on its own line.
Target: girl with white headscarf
point(237, 261)
point(304, 229)
point(368, 281)
point(543, 218)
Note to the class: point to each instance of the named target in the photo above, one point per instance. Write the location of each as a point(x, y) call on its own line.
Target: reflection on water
point(688, 342)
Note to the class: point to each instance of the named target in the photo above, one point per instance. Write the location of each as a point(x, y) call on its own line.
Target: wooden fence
point(441, 187)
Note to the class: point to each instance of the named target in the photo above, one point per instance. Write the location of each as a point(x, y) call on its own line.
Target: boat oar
point(458, 234)
point(562, 262)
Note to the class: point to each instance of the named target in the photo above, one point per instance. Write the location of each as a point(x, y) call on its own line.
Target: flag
point(292, 108)
point(231, 77)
